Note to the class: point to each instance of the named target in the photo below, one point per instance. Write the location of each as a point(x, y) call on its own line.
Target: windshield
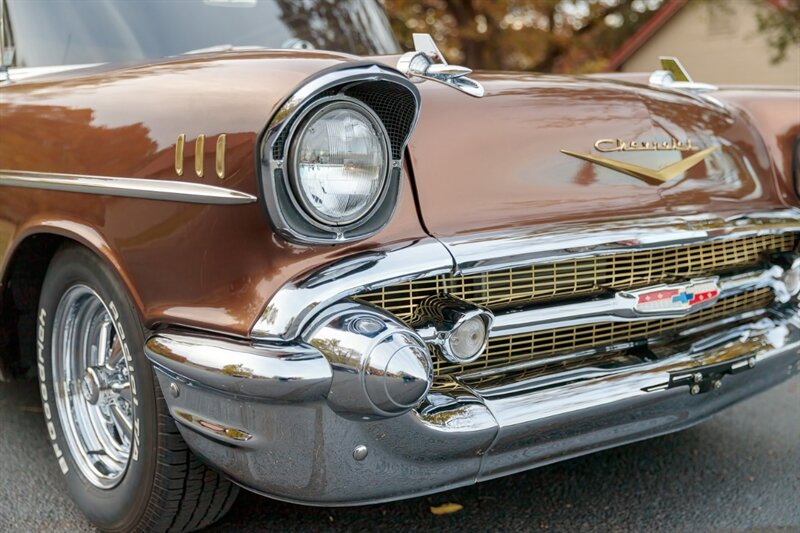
point(64, 32)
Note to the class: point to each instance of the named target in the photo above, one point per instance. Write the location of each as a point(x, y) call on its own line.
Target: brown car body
point(495, 160)
point(204, 275)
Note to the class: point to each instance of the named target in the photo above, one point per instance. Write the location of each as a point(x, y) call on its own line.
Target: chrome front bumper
point(273, 432)
point(291, 415)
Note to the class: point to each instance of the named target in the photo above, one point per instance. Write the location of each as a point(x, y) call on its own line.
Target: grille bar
point(504, 351)
point(585, 276)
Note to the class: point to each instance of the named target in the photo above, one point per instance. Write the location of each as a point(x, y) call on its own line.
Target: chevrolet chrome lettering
point(618, 145)
point(334, 273)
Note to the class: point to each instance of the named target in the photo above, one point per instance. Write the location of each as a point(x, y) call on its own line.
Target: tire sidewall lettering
point(41, 335)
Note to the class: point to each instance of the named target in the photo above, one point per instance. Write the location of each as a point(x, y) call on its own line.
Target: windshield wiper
point(226, 48)
point(292, 44)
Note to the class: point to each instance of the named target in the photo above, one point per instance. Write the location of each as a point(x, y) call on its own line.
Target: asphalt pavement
point(738, 472)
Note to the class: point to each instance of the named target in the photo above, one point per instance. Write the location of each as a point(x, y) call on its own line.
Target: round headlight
point(340, 162)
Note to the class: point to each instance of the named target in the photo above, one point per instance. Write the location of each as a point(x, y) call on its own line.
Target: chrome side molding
point(147, 189)
point(428, 62)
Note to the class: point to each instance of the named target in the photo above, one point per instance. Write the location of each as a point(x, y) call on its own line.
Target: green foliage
point(564, 36)
point(780, 22)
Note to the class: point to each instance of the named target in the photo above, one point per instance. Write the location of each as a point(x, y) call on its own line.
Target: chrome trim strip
point(300, 299)
point(297, 302)
point(495, 251)
point(657, 375)
point(621, 307)
point(751, 316)
point(148, 189)
point(294, 372)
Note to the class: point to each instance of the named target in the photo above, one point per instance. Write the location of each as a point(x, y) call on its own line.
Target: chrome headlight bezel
point(300, 125)
point(389, 97)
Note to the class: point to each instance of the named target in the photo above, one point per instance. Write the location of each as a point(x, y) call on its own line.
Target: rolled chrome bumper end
point(260, 414)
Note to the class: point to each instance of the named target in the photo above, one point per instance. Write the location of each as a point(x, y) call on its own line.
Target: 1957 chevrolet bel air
point(352, 276)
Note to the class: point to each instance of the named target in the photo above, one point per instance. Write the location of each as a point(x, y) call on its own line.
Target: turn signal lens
point(468, 340)
point(340, 162)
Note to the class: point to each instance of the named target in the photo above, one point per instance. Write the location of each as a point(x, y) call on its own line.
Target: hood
point(484, 164)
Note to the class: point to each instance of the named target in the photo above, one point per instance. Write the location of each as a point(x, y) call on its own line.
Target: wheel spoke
point(115, 354)
point(123, 390)
point(122, 422)
point(103, 341)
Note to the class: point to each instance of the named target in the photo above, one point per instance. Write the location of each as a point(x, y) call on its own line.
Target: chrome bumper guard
point(281, 418)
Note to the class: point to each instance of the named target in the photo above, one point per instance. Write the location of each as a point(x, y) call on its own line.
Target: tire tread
point(187, 495)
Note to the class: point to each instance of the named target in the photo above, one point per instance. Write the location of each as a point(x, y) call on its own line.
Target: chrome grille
point(584, 276)
point(504, 351)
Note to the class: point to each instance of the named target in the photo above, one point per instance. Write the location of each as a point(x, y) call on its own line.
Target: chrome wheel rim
point(92, 387)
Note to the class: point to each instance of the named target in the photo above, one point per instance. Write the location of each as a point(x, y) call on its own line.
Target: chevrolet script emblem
point(648, 175)
point(672, 299)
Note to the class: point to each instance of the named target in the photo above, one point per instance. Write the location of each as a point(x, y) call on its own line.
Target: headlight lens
point(340, 162)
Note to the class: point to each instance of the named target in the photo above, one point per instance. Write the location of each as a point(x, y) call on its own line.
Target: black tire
point(165, 487)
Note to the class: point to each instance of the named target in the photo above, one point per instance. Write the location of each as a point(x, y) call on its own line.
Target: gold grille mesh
point(584, 276)
point(503, 351)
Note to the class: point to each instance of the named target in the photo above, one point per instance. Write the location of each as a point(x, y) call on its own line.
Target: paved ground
point(737, 472)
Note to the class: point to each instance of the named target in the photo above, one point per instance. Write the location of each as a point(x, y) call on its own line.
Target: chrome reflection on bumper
point(380, 367)
point(305, 452)
point(283, 373)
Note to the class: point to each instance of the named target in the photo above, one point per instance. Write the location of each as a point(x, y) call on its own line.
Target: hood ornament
point(673, 75)
point(428, 62)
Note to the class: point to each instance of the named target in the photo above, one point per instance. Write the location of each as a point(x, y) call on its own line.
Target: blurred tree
point(779, 20)
point(542, 35)
point(575, 36)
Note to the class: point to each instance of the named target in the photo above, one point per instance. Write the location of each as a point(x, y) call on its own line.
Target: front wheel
point(125, 463)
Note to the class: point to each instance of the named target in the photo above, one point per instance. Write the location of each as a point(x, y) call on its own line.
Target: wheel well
point(19, 298)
